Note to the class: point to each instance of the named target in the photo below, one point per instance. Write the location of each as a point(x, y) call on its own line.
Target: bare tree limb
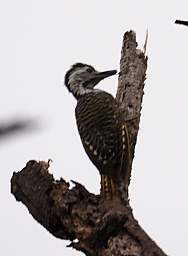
point(130, 92)
point(181, 22)
point(94, 226)
point(102, 228)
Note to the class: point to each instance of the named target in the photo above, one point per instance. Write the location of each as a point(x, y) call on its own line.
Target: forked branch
point(102, 228)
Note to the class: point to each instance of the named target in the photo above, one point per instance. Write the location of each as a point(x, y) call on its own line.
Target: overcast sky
point(40, 39)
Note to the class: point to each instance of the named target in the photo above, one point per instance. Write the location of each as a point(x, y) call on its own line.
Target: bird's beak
point(101, 75)
point(96, 76)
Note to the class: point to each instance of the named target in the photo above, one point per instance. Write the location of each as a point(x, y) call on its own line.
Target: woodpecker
point(103, 134)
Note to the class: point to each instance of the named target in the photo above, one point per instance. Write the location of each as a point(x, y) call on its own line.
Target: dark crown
point(73, 68)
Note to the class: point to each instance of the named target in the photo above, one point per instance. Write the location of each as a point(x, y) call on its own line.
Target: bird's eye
point(89, 70)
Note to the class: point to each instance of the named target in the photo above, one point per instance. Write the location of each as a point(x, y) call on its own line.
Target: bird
point(103, 133)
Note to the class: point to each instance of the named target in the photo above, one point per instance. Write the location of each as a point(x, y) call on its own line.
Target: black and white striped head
point(82, 78)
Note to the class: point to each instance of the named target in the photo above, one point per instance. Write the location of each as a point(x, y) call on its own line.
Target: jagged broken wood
point(102, 228)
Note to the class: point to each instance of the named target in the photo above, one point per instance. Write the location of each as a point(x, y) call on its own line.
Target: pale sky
point(40, 39)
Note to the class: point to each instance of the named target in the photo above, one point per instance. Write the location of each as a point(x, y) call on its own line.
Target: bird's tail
point(108, 187)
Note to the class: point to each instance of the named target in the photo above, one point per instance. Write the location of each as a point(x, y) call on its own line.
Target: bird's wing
point(99, 125)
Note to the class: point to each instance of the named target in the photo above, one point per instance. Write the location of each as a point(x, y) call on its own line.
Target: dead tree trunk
point(101, 228)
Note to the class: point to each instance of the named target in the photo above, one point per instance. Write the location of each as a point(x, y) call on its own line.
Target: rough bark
point(133, 65)
point(94, 226)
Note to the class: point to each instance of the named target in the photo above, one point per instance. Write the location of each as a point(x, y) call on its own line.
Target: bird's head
point(82, 78)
